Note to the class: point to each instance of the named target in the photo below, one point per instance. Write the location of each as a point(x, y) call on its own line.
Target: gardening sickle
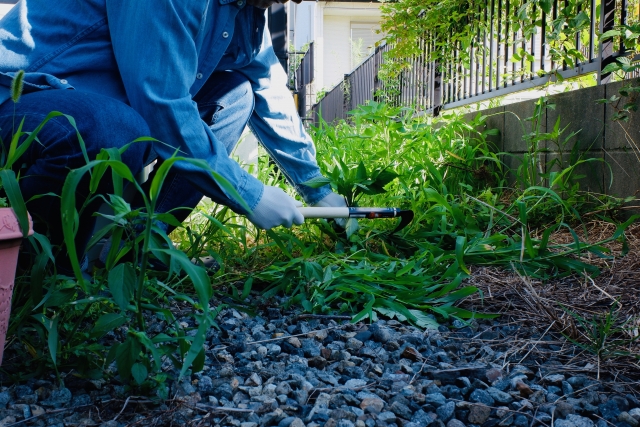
point(405, 215)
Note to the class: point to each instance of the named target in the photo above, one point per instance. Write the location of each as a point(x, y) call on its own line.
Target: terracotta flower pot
point(10, 239)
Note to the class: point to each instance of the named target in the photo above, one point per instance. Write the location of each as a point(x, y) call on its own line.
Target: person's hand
point(333, 200)
point(276, 208)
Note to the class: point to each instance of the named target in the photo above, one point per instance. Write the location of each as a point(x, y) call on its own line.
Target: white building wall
point(4, 8)
point(337, 49)
point(333, 38)
point(301, 23)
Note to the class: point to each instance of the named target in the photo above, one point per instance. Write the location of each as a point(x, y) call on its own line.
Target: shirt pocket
point(34, 82)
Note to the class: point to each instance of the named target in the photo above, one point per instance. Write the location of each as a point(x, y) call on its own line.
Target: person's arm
point(155, 45)
point(277, 125)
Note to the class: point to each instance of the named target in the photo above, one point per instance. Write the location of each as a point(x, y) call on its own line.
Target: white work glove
point(333, 200)
point(276, 208)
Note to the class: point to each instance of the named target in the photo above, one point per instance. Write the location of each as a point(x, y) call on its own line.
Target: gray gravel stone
point(579, 421)
point(387, 417)
point(499, 396)
point(372, 404)
point(521, 421)
point(355, 383)
point(609, 410)
point(205, 385)
point(401, 410)
point(567, 389)
point(254, 380)
point(58, 398)
point(310, 348)
point(563, 409)
point(421, 417)
point(554, 379)
point(455, 423)
point(577, 382)
point(380, 333)
point(5, 398)
point(446, 411)
point(625, 417)
point(563, 423)
point(481, 396)
point(478, 414)
point(435, 399)
point(350, 377)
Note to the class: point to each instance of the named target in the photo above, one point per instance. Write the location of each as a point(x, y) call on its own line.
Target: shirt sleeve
point(276, 124)
point(154, 42)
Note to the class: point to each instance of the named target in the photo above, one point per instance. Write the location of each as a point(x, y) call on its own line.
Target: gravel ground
point(287, 369)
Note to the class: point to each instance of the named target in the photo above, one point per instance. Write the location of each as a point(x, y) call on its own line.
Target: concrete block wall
point(598, 136)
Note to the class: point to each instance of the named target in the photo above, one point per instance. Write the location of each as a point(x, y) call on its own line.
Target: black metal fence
point(301, 81)
point(355, 89)
point(500, 59)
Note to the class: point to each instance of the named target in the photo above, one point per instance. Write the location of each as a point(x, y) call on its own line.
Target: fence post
point(346, 91)
point(607, 12)
point(437, 89)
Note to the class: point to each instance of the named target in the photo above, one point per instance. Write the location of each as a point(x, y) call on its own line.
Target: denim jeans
point(225, 104)
point(103, 122)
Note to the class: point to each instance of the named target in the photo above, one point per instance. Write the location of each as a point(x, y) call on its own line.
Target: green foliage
point(625, 103)
point(456, 32)
point(627, 36)
point(63, 322)
point(122, 322)
point(603, 334)
point(448, 174)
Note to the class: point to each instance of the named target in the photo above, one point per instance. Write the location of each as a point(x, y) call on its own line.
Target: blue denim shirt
point(155, 55)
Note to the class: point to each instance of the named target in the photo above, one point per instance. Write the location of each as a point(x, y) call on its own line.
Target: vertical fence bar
point(623, 21)
point(533, 48)
point(592, 30)
point(523, 46)
point(506, 43)
point(577, 39)
point(607, 12)
point(543, 46)
point(498, 44)
point(476, 42)
point(554, 14)
point(484, 52)
point(515, 65)
point(491, 38)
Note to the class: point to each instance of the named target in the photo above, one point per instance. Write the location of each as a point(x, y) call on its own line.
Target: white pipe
point(319, 212)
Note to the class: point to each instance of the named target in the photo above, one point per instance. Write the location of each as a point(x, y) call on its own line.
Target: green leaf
point(423, 320)
point(611, 68)
point(68, 206)
point(361, 172)
point(163, 170)
point(139, 373)
point(122, 284)
point(609, 34)
point(196, 347)
point(126, 355)
point(10, 183)
point(246, 290)
point(106, 323)
point(197, 274)
point(351, 226)
point(461, 242)
point(317, 182)
point(198, 362)
point(545, 5)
